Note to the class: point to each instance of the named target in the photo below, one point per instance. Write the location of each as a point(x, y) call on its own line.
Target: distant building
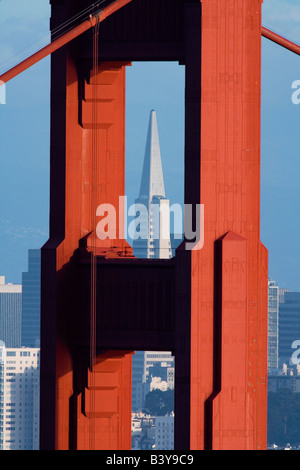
point(287, 377)
point(273, 318)
point(31, 285)
point(159, 370)
point(142, 431)
point(10, 313)
point(152, 432)
point(138, 380)
point(164, 432)
point(176, 240)
point(289, 327)
point(171, 377)
point(157, 363)
point(281, 294)
point(19, 398)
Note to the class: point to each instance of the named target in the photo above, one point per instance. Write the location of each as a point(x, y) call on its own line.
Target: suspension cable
point(63, 39)
point(281, 41)
point(56, 32)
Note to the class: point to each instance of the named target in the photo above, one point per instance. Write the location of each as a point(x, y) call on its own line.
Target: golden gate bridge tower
point(208, 304)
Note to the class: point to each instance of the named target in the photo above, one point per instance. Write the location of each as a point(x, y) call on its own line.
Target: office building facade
point(19, 398)
point(154, 242)
point(10, 313)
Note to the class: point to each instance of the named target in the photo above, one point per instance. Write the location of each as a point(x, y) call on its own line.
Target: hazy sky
point(24, 136)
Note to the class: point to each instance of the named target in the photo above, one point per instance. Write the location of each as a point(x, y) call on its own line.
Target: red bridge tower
point(209, 306)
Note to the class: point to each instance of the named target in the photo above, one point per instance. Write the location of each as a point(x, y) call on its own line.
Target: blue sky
point(24, 136)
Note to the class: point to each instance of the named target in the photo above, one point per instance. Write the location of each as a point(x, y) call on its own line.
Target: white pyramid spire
point(152, 182)
point(154, 239)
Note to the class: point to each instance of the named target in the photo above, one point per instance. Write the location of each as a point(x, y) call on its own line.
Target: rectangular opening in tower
point(153, 388)
point(154, 158)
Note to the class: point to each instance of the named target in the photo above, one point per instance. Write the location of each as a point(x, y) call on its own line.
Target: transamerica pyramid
point(153, 233)
point(152, 182)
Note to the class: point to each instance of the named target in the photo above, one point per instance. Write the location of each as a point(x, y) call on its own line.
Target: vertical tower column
point(228, 292)
point(87, 170)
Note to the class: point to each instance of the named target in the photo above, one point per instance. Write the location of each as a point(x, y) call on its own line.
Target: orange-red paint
point(217, 320)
